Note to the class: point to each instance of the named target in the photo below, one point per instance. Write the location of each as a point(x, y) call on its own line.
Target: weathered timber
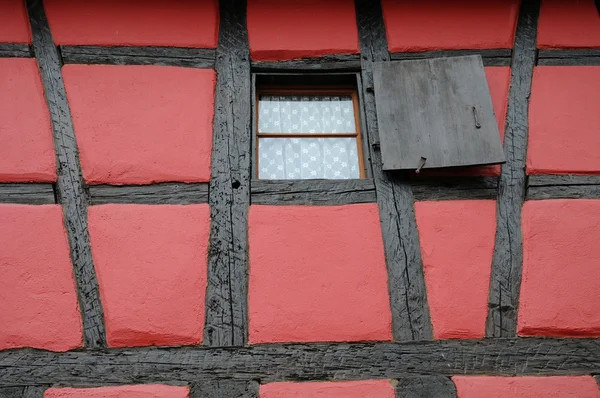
point(406, 282)
point(508, 251)
point(563, 187)
point(425, 387)
point(27, 193)
point(496, 57)
point(70, 187)
point(454, 188)
point(581, 57)
point(312, 192)
point(226, 293)
point(163, 193)
point(598, 377)
point(224, 389)
point(320, 361)
point(126, 55)
point(435, 113)
point(335, 62)
point(15, 50)
point(22, 392)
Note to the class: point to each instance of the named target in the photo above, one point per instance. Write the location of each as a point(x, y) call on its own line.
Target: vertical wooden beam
point(226, 293)
point(22, 392)
point(408, 296)
point(507, 261)
point(70, 187)
point(426, 387)
point(224, 389)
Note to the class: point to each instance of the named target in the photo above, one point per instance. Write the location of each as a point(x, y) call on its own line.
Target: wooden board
point(438, 110)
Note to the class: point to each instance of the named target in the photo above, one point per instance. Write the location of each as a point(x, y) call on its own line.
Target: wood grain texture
point(302, 362)
point(163, 193)
point(435, 113)
point(31, 194)
point(496, 57)
point(507, 261)
point(589, 56)
point(227, 290)
point(408, 296)
point(334, 62)
point(455, 188)
point(126, 55)
point(598, 377)
point(70, 187)
point(11, 50)
point(312, 192)
point(224, 389)
point(426, 387)
point(563, 187)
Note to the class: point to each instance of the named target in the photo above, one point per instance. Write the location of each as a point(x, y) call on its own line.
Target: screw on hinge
point(421, 164)
point(477, 124)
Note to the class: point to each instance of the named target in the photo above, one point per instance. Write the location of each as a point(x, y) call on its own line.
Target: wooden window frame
point(309, 90)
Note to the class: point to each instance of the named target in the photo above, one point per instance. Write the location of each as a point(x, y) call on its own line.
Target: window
point(308, 133)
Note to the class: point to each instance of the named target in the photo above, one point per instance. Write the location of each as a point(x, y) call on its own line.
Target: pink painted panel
point(141, 391)
point(568, 24)
point(526, 387)
point(349, 389)
point(14, 22)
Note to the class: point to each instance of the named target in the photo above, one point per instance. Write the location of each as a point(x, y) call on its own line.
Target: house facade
point(303, 198)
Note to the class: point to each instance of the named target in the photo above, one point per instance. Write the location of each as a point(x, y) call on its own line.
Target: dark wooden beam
point(589, 56)
point(126, 55)
point(500, 57)
point(335, 62)
point(225, 389)
point(302, 362)
point(227, 291)
point(163, 193)
point(406, 282)
point(22, 392)
point(455, 188)
point(312, 192)
point(598, 380)
point(15, 50)
point(563, 187)
point(426, 387)
point(27, 193)
point(70, 187)
point(508, 251)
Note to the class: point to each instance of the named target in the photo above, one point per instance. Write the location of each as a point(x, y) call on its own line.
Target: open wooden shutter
point(435, 113)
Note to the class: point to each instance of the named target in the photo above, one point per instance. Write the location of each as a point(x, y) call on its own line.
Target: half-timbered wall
point(146, 261)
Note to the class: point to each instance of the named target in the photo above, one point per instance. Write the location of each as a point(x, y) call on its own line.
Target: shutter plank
point(438, 109)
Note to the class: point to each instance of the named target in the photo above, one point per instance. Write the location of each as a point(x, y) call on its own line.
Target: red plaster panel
point(38, 303)
point(568, 24)
point(182, 23)
point(457, 245)
point(352, 389)
point(142, 391)
point(317, 274)
point(423, 25)
point(26, 147)
point(564, 120)
point(290, 29)
point(152, 265)
point(526, 387)
point(560, 290)
point(14, 22)
point(142, 124)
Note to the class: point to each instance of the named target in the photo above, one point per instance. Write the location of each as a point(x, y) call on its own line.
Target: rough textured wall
point(129, 218)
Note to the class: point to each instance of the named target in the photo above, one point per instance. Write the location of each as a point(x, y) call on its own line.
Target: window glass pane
point(307, 158)
point(311, 114)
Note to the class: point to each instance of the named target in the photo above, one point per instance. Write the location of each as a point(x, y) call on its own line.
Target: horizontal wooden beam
point(589, 56)
point(501, 57)
point(454, 188)
point(26, 193)
point(163, 193)
point(319, 361)
point(563, 187)
point(335, 62)
point(127, 55)
point(312, 192)
point(18, 50)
